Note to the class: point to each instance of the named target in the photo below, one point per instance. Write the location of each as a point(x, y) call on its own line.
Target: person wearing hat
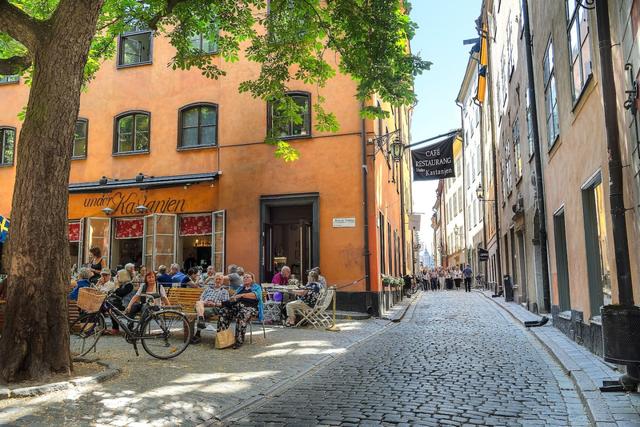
point(104, 283)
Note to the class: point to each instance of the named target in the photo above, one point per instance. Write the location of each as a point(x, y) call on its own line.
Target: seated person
point(83, 282)
point(149, 287)
point(194, 279)
point(282, 278)
point(163, 278)
point(178, 276)
point(209, 276)
point(307, 297)
point(245, 304)
point(235, 279)
point(210, 302)
point(125, 275)
point(104, 283)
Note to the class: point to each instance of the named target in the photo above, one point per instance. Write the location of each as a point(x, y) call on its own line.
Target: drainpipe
point(542, 231)
point(402, 218)
point(365, 204)
point(619, 322)
point(616, 196)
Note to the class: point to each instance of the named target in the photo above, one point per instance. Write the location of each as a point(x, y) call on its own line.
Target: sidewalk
point(197, 386)
point(586, 370)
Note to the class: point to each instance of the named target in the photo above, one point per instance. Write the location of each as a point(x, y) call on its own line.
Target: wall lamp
point(107, 211)
point(480, 194)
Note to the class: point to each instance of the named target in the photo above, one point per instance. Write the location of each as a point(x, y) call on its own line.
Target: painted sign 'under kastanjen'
point(434, 161)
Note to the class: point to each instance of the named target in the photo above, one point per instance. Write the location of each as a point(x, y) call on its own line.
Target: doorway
point(564, 295)
point(522, 257)
point(289, 234)
point(596, 245)
point(126, 246)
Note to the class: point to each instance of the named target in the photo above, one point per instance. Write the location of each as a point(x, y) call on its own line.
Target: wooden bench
point(185, 300)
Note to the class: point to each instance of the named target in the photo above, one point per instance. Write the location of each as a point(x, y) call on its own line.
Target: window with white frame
point(579, 35)
point(550, 96)
point(515, 134)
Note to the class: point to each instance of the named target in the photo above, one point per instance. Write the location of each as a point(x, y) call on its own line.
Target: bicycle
point(164, 334)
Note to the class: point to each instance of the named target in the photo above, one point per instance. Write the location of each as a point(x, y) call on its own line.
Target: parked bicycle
point(164, 334)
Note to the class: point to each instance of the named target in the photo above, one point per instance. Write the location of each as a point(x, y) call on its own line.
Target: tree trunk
point(35, 338)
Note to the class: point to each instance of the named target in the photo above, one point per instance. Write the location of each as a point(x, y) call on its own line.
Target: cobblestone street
point(455, 359)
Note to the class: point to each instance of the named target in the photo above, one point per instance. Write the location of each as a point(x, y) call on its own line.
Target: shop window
point(7, 144)
point(14, 78)
point(579, 46)
point(79, 147)
point(135, 49)
point(75, 243)
point(282, 127)
point(198, 126)
point(132, 131)
point(550, 96)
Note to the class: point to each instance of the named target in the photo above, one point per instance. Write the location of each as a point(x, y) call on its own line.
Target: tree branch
point(19, 25)
point(171, 4)
point(14, 65)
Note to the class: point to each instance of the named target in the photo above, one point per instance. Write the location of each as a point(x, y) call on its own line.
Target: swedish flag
point(4, 229)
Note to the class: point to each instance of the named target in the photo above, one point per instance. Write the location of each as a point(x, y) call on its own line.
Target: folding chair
point(317, 315)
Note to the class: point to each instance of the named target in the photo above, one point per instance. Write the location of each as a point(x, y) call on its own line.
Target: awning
point(74, 232)
point(107, 185)
point(129, 228)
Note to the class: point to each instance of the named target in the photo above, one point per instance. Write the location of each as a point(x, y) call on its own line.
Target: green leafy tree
point(59, 45)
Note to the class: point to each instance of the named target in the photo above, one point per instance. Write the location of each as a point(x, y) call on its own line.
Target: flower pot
point(621, 334)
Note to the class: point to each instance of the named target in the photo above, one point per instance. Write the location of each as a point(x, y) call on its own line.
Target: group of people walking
point(447, 278)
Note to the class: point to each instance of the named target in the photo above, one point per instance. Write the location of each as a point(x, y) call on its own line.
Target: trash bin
point(508, 287)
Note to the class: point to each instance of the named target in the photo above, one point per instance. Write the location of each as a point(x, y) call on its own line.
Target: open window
point(159, 247)
point(218, 240)
point(135, 48)
point(98, 235)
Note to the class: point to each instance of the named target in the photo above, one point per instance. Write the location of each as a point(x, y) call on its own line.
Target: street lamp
point(397, 148)
point(480, 194)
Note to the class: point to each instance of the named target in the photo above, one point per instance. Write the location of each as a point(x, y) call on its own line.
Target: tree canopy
point(289, 39)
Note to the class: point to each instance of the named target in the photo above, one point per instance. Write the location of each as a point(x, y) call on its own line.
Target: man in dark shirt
point(468, 276)
point(163, 278)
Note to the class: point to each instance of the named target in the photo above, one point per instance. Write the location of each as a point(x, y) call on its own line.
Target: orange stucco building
point(171, 166)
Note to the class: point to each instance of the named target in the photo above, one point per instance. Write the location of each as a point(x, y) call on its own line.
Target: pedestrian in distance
point(468, 276)
point(457, 277)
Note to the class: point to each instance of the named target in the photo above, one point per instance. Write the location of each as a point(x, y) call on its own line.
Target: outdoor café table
point(287, 292)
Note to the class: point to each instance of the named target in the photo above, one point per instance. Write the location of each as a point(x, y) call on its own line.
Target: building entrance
point(289, 235)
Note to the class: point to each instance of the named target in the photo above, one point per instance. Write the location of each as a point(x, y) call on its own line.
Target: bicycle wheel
point(85, 332)
point(165, 334)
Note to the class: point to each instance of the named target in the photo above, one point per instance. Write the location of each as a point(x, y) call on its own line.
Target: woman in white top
point(149, 287)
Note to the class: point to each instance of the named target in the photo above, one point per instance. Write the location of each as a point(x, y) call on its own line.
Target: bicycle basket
point(90, 300)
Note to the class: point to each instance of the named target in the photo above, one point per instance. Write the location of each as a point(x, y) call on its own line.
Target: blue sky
point(443, 25)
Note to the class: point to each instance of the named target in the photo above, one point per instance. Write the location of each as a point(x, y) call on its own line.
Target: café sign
point(126, 203)
point(434, 161)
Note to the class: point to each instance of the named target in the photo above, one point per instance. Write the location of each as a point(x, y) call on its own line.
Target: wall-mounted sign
point(344, 222)
point(434, 161)
point(414, 222)
point(125, 203)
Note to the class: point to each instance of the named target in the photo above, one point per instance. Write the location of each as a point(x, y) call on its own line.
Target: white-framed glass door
point(98, 235)
point(159, 244)
point(218, 231)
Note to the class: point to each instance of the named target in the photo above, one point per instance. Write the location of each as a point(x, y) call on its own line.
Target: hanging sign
point(434, 161)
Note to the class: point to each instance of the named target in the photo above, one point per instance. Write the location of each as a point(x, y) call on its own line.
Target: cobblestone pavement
point(194, 387)
point(456, 359)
